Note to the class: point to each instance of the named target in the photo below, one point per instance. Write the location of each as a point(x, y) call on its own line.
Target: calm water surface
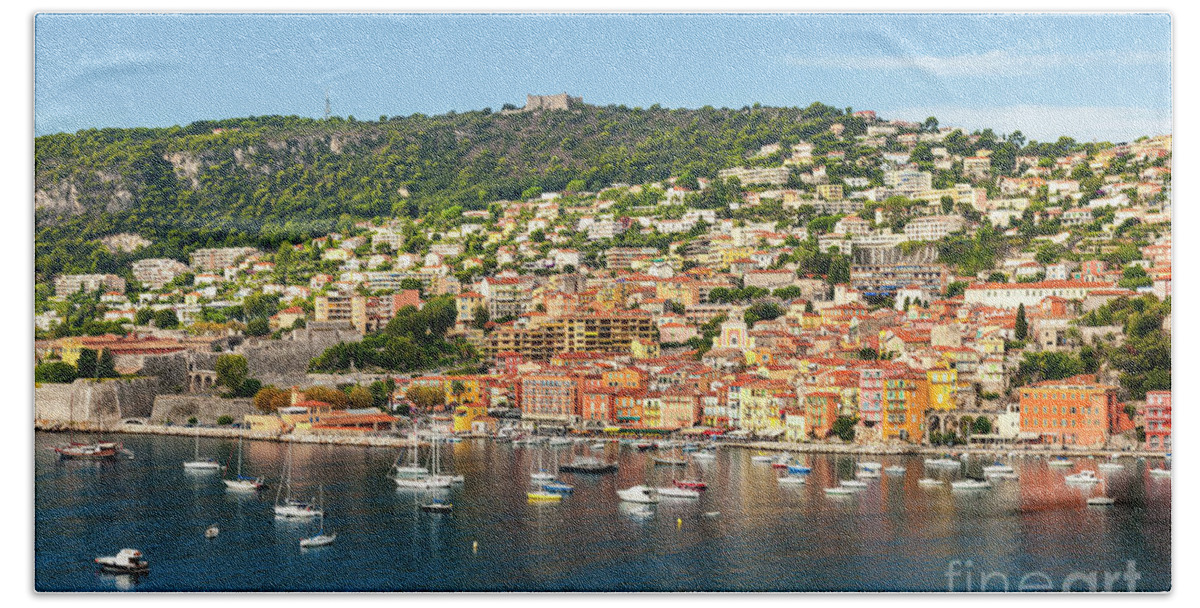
point(894, 535)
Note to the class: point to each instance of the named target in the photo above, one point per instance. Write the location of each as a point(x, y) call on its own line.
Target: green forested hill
point(262, 180)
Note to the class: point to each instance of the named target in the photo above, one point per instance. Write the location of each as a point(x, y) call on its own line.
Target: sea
point(746, 532)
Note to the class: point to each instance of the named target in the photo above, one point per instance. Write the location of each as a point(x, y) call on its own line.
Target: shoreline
point(764, 446)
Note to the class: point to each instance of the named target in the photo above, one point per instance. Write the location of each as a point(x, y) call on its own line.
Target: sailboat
point(97, 450)
point(291, 507)
point(415, 476)
point(321, 539)
point(198, 463)
point(690, 481)
point(541, 474)
point(241, 483)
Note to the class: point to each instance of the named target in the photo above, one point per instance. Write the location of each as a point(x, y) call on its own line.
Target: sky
point(1088, 76)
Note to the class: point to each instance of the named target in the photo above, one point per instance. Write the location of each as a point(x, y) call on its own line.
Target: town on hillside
point(895, 285)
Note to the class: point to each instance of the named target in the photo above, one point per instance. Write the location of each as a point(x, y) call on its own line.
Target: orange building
point(820, 411)
point(1073, 411)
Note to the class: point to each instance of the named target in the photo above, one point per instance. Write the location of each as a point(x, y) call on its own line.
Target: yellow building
point(642, 348)
point(905, 400)
point(943, 387)
point(465, 417)
point(733, 254)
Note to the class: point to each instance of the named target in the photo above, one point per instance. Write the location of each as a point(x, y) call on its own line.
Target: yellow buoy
point(678, 522)
point(475, 546)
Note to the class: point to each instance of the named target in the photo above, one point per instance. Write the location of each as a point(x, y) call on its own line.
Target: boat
point(789, 480)
point(1110, 466)
point(201, 464)
point(673, 462)
point(970, 484)
point(760, 457)
point(106, 450)
point(126, 561)
point(320, 539)
point(588, 464)
point(242, 483)
point(854, 483)
point(1083, 477)
point(798, 469)
point(1060, 461)
point(677, 492)
point(866, 473)
point(541, 474)
point(895, 470)
point(838, 491)
point(598, 446)
point(998, 467)
point(437, 505)
point(782, 461)
point(1100, 501)
point(639, 494)
point(690, 481)
point(559, 441)
point(1160, 472)
point(705, 455)
point(928, 482)
point(288, 507)
point(415, 476)
point(642, 447)
point(543, 496)
point(870, 466)
point(942, 462)
point(558, 487)
point(212, 531)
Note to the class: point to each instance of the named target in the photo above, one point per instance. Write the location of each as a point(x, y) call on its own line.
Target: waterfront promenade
point(380, 441)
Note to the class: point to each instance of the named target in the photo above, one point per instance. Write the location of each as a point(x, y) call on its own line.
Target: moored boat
point(639, 494)
point(791, 480)
point(970, 484)
point(929, 482)
point(126, 561)
point(677, 492)
point(1083, 477)
point(543, 496)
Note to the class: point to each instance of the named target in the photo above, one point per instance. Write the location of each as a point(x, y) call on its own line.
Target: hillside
point(262, 180)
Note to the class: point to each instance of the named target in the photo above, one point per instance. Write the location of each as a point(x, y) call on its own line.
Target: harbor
point(746, 530)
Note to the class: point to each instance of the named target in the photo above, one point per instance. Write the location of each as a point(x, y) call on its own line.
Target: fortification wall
point(91, 402)
point(177, 409)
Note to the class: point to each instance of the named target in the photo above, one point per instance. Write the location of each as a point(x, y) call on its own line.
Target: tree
point(381, 393)
point(868, 354)
point(55, 372)
point(332, 396)
point(1021, 330)
point(481, 317)
point(86, 364)
point(457, 388)
point(426, 397)
point(248, 388)
point(106, 366)
point(166, 319)
point(258, 326)
point(930, 125)
point(232, 371)
point(143, 316)
point(997, 277)
point(843, 427)
point(224, 420)
point(360, 397)
point(270, 399)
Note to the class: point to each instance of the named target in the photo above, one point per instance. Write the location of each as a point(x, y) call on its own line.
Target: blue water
point(893, 536)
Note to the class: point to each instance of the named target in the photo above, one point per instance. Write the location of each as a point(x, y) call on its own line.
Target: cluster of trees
point(413, 340)
point(378, 395)
point(233, 373)
point(91, 364)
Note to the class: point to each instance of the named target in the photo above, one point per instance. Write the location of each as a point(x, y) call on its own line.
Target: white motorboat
point(792, 480)
point(1060, 462)
point(870, 466)
point(414, 476)
point(1100, 501)
point(1160, 472)
point(212, 531)
point(704, 455)
point(241, 483)
point(1083, 477)
point(895, 470)
point(854, 483)
point(867, 473)
point(969, 484)
point(677, 492)
point(639, 494)
point(839, 491)
point(998, 468)
point(126, 561)
point(1110, 466)
point(929, 482)
point(941, 462)
point(762, 458)
point(559, 441)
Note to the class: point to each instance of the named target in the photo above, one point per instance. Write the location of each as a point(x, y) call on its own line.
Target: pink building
point(1158, 421)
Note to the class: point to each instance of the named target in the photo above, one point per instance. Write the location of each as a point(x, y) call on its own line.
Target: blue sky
point(1090, 76)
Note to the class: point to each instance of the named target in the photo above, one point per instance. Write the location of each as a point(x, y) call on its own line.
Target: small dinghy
point(212, 531)
point(1100, 501)
point(126, 561)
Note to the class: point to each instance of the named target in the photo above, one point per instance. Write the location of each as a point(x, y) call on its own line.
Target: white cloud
point(991, 63)
point(1048, 123)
